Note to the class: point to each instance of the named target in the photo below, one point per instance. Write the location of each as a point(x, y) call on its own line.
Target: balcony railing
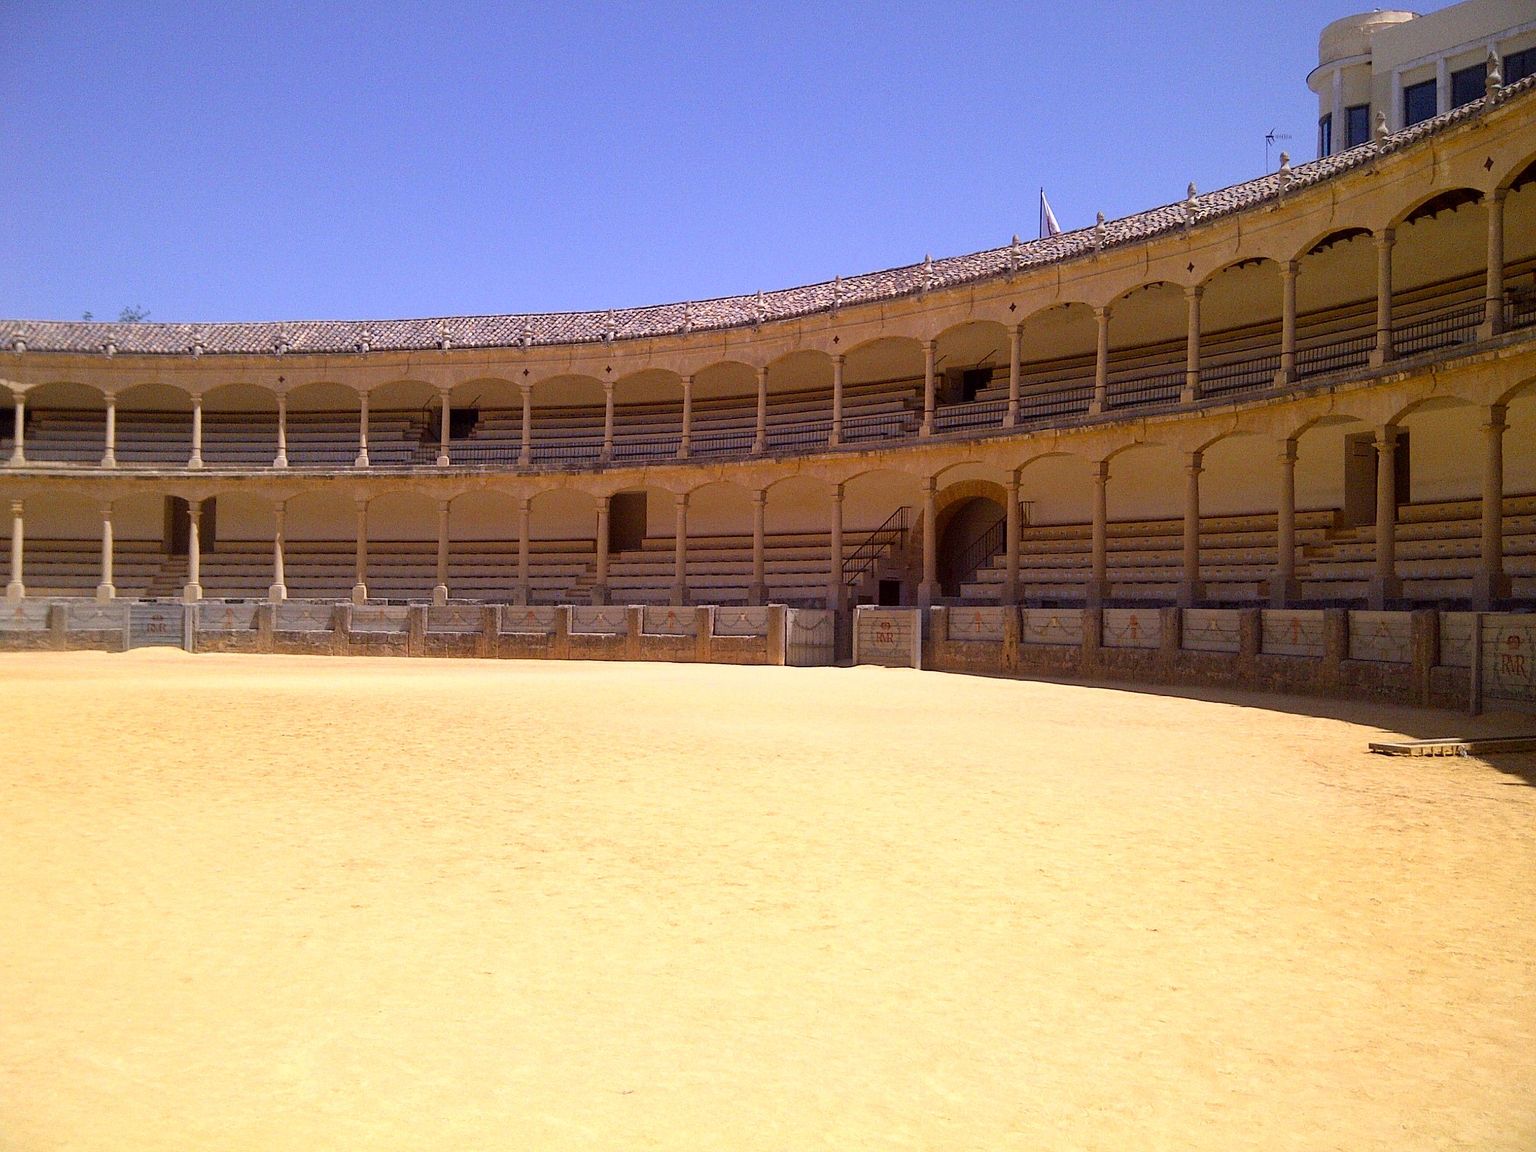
point(1441, 330)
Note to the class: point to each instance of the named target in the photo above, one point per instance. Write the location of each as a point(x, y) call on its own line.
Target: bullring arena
point(1202, 500)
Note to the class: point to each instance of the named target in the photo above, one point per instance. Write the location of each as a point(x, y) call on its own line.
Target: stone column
point(524, 578)
point(106, 590)
point(1493, 307)
point(685, 446)
point(1283, 588)
point(680, 552)
point(757, 593)
point(1492, 584)
point(1192, 346)
point(1287, 323)
point(760, 440)
point(109, 453)
point(193, 592)
point(281, 459)
point(362, 433)
point(1383, 350)
point(440, 591)
point(607, 454)
point(1098, 579)
point(525, 452)
point(18, 445)
point(928, 590)
point(835, 553)
point(17, 588)
point(279, 590)
point(442, 436)
point(1011, 534)
point(1015, 348)
point(836, 437)
point(1385, 585)
point(360, 581)
point(928, 389)
point(1100, 362)
point(600, 585)
point(196, 459)
point(1191, 591)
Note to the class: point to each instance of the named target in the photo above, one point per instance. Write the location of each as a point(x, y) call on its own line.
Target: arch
point(323, 396)
point(155, 396)
point(1331, 237)
point(1432, 204)
point(485, 392)
point(968, 517)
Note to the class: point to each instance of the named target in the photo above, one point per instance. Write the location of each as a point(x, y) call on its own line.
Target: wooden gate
point(810, 637)
point(156, 625)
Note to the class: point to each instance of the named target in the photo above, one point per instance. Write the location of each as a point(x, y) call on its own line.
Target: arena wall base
point(1221, 649)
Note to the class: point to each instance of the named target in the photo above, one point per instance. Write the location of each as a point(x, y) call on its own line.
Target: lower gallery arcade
point(1409, 488)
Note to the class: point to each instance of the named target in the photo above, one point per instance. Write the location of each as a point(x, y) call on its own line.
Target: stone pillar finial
point(1382, 131)
point(1494, 84)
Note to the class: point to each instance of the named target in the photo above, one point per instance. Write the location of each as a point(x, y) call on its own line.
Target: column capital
point(1289, 267)
point(361, 503)
point(1196, 460)
point(686, 380)
point(1194, 291)
point(526, 388)
point(604, 502)
point(1496, 418)
point(17, 506)
point(1288, 450)
point(839, 359)
point(1385, 237)
point(1101, 312)
point(930, 485)
point(1012, 483)
point(837, 493)
point(681, 500)
point(762, 372)
point(442, 507)
point(760, 497)
point(929, 346)
point(1101, 471)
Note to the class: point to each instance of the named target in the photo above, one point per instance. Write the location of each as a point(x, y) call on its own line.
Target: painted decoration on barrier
point(740, 622)
point(213, 616)
point(1211, 630)
point(527, 620)
point(388, 618)
point(304, 616)
point(976, 623)
point(151, 625)
point(1133, 628)
point(1385, 637)
point(1052, 626)
point(608, 620)
point(1292, 632)
point(89, 617)
point(455, 618)
point(1456, 639)
point(24, 616)
point(888, 637)
point(1509, 661)
point(810, 637)
point(669, 621)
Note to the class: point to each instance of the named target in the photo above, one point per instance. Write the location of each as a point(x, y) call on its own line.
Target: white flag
point(1048, 225)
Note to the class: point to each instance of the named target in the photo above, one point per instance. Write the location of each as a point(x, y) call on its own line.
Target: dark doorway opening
point(888, 594)
point(626, 521)
point(178, 530)
point(1360, 477)
point(970, 534)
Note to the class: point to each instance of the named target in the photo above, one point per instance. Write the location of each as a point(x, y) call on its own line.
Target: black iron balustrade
point(735, 442)
point(891, 534)
point(1335, 355)
point(1145, 391)
point(661, 446)
point(972, 414)
point(982, 551)
point(1240, 376)
point(472, 452)
point(1060, 400)
point(806, 436)
point(1439, 330)
point(879, 426)
point(1520, 309)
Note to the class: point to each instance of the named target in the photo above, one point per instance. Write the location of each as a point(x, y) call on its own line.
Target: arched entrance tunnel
point(971, 532)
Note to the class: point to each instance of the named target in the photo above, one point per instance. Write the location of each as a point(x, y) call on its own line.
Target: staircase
point(170, 580)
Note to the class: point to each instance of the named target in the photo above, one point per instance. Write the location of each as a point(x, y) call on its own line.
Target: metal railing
point(1335, 355)
point(1439, 330)
point(891, 534)
point(972, 414)
point(1520, 310)
point(981, 551)
point(881, 426)
point(1145, 391)
point(1062, 400)
point(1239, 376)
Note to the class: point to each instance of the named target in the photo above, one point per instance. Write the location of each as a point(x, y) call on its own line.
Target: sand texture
point(309, 903)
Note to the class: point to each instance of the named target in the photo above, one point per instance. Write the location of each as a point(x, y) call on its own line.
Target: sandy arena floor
point(303, 903)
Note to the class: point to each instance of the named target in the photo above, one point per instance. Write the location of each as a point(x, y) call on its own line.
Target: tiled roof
point(325, 336)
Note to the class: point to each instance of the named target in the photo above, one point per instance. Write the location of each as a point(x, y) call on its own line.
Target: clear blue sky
point(233, 161)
